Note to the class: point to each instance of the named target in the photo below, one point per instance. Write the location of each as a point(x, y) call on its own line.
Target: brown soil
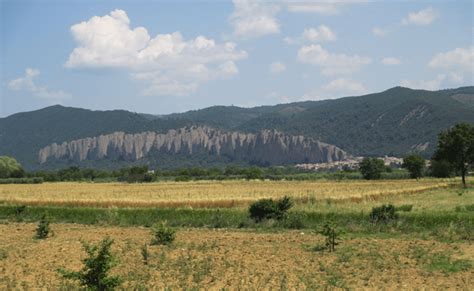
point(216, 259)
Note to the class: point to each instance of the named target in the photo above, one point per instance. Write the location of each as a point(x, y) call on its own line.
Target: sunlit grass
point(207, 193)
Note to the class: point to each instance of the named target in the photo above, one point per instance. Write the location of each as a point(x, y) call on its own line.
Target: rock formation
point(266, 147)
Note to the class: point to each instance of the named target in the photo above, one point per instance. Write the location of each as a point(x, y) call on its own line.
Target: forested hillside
point(392, 122)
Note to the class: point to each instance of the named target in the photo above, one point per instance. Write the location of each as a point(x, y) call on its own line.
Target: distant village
point(348, 164)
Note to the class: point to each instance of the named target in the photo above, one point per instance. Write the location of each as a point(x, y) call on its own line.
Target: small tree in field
point(95, 273)
point(371, 168)
point(42, 230)
point(415, 164)
point(456, 145)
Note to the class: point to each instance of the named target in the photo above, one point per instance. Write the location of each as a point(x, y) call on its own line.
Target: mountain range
point(393, 122)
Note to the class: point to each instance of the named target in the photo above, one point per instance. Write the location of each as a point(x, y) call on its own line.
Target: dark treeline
point(140, 174)
point(144, 174)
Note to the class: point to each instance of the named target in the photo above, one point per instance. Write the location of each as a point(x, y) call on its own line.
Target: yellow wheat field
point(204, 193)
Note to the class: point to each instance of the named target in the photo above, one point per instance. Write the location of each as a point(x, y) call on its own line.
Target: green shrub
point(19, 211)
point(95, 273)
point(262, 209)
point(184, 178)
point(145, 254)
point(294, 221)
point(405, 207)
point(163, 235)
point(329, 231)
point(34, 180)
point(269, 209)
point(283, 205)
point(42, 230)
point(383, 214)
point(469, 207)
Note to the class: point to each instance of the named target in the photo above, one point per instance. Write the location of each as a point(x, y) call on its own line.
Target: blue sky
point(171, 56)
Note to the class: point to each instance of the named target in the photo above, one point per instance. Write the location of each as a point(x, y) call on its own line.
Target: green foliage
point(10, 168)
point(294, 220)
point(95, 273)
point(138, 174)
point(404, 208)
point(371, 168)
point(269, 209)
point(415, 164)
point(262, 209)
point(441, 169)
point(450, 225)
point(254, 173)
point(163, 235)
point(383, 214)
point(42, 230)
point(145, 254)
point(371, 125)
point(34, 180)
point(443, 262)
point(329, 231)
point(456, 145)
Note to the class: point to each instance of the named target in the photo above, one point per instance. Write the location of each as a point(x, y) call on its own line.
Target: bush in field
point(163, 235)
point(95, 273)
point(262, 209)
point(42, 230)
point(268, 209)
point(283, 205)
point(371, 168)
point(383, 214)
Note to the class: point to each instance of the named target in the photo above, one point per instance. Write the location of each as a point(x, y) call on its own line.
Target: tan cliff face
point(267, 146)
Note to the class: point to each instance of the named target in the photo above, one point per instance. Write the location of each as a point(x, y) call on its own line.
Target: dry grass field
point(248, 260)
point(205, 193)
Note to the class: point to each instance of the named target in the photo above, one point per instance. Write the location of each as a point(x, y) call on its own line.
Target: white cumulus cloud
point(254, 18)
point(277, 67)
point(457, 63)
point(461, 59)
point(343, 87)
point(331, 63)
point(432, 85)
point(27, 83)
point(321, 33)
point(422, 17)
point(167, 63)
point(391, 61)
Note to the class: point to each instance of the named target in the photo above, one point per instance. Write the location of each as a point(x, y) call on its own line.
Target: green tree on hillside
point(415, 164)
point(371, 168)
point(10, 168)
point(456, 145)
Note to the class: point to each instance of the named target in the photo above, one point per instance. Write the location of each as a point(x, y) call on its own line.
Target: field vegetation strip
point(206, 194)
